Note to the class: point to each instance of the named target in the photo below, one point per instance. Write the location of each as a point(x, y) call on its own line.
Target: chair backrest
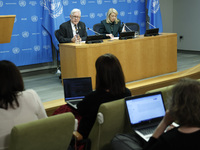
point(56, 34)
point(166, 93)
point(53, 133)
point(114, 121)
point(133, 27)
point(97, 27)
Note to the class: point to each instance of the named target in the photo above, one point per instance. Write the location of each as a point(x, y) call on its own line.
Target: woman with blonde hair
point(111, 26)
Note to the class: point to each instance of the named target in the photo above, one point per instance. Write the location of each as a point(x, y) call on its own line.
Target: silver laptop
point(75, 89)
point(145, 113)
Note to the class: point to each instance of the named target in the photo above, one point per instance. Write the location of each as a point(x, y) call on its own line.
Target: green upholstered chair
point(53, 133)
point(166, 93)
point(114, 121)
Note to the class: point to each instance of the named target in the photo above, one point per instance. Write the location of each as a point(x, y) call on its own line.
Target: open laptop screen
point(145, 108)
point(77, 88)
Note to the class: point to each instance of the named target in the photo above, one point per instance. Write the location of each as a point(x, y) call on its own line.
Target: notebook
point(145, 113)
point(75, 89)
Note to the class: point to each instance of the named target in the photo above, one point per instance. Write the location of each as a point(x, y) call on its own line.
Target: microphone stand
point(151, 24)
point(136, 32)
point(127, 27)
point(94, 31)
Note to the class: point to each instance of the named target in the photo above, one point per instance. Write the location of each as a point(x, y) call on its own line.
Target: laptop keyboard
point(148, 130)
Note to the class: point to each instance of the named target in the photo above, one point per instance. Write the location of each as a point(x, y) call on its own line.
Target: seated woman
point(110, 86)
point(184, 109)
point(17, 105)
point(111, 26)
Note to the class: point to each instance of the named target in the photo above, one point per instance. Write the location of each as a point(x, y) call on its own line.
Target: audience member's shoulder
point(91, 94)
point(171, 134)
point(29, 92)
point(128, 92)
point(95, 94)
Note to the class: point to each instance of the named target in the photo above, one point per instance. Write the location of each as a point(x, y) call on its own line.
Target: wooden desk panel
point(6, 28)
point(140, 58)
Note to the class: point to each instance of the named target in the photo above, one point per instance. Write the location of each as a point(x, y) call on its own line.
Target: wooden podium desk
point(140, 58)
point(6, 28)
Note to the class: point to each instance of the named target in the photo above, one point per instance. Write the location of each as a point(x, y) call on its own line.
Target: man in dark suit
point(72, 29)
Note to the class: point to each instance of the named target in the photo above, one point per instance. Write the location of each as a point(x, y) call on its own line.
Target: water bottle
point(77, 40)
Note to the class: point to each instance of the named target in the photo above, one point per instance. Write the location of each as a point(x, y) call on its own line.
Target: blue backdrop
point(31, 42)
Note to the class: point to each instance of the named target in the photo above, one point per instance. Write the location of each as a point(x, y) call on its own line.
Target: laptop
point(145, 113)
point(75, 89)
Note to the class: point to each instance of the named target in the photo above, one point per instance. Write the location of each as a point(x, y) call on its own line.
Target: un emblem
point(36, 48)
point(136, 12)
point(122, 13)
point(114, 1)
point(25, 34)
point(54, 7)
point(44, 33)
point(92, 15)
point(15, 50)
point(22, 3)
point(99, 2)
point(83, 2)
point(155, 6)
point(65, 2)
point(1, 3)
point(34, 18)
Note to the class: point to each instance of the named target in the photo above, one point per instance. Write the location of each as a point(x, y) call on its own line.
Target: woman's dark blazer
point(105, 28)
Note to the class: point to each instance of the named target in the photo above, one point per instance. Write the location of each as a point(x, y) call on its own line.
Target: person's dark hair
point(109, 74)
point(11, 84)
point(185, 103)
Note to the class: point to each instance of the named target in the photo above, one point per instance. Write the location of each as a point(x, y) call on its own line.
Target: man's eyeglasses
point(76, 17)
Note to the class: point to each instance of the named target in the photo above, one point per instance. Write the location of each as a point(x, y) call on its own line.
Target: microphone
point(126, 26)
point(94, 31)
point(150, 24)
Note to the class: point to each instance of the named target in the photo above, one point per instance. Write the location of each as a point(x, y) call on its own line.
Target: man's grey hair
point(75, 10)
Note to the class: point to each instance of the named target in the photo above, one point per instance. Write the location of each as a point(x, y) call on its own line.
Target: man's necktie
point(76, 29)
